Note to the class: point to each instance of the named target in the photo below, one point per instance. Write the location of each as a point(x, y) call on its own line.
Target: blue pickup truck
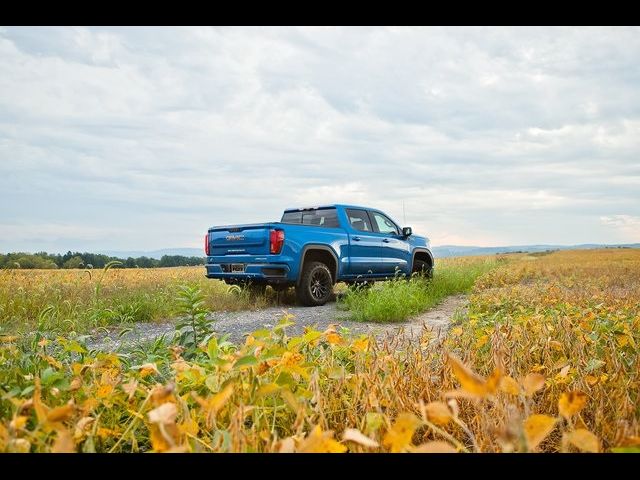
point(313, 248)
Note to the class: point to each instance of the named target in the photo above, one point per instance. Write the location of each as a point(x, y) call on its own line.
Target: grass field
point(545, 360)
point(77, 300)
point(399, 299)
point(65, 301)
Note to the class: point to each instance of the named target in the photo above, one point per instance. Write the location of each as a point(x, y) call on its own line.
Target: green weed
point(398, 299)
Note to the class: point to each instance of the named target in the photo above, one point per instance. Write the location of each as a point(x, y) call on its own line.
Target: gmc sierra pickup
point(313, 248)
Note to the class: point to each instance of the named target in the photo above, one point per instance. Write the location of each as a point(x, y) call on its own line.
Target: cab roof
point(333, 205)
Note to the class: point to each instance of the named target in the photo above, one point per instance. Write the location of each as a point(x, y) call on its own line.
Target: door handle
point(356, 239)
point(386, 240)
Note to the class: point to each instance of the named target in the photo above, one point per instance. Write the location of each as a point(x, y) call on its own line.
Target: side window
point(322, 217)
point(384, 224)
point(359, 220)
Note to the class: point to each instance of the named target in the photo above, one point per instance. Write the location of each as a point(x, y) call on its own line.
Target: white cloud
point(154, 129)
point(621, 221)
point(627, 225)
point(56, 231)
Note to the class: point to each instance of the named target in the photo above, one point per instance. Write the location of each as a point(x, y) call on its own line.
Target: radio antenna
point(404, 215)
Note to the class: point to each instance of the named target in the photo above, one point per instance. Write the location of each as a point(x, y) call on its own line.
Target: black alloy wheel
point(316, 285)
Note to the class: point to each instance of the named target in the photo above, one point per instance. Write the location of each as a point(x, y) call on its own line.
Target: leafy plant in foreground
point(194, 327)
point(544, 360)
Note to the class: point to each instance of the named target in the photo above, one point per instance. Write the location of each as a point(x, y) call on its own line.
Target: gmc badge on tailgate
point(232, 238)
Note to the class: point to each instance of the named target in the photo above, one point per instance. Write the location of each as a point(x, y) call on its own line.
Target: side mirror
point(406, 231)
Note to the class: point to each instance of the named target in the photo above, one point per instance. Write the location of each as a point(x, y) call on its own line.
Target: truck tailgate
point(240, 239)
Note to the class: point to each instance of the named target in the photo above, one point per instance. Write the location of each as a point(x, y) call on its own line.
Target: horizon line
point(101, 250)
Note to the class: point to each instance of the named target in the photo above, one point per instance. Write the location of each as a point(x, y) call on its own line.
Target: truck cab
point(313, 248)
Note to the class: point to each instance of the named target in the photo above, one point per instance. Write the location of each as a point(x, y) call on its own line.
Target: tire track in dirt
point(240, 324)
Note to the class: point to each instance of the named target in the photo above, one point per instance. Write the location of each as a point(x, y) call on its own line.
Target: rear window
point(321, 217)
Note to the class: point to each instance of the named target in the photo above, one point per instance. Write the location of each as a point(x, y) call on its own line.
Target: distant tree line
point(91, 260)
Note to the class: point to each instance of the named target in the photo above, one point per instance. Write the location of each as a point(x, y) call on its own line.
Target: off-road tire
point(316, 285)
point(420, 267)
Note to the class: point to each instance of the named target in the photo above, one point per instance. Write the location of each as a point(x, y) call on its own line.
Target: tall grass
point(77, 301)
point(398, 299)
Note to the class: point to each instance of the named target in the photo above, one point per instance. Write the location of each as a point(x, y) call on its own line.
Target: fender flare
point(422, 250)
point(317, 246)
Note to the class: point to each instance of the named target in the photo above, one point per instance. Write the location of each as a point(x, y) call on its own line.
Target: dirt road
point(239, 324)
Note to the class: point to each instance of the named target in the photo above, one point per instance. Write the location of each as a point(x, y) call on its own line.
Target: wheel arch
point(321, 253)
point(422, 254)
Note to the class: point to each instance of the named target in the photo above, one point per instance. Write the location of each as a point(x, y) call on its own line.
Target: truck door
point(395, 250)
point(364, 244)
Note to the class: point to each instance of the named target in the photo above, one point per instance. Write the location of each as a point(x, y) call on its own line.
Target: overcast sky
point(141, 138)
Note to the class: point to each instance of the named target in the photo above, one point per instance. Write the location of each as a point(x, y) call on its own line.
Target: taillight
point(206, 244)
point(276, 240)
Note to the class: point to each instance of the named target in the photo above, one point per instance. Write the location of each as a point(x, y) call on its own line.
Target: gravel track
point(239, 324)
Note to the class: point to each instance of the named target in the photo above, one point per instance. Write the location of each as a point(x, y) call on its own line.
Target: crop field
point(77, 301)
point(544, 360)
point(64, 301)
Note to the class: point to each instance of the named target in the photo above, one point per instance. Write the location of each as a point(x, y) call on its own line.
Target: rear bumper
point(256, 270)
